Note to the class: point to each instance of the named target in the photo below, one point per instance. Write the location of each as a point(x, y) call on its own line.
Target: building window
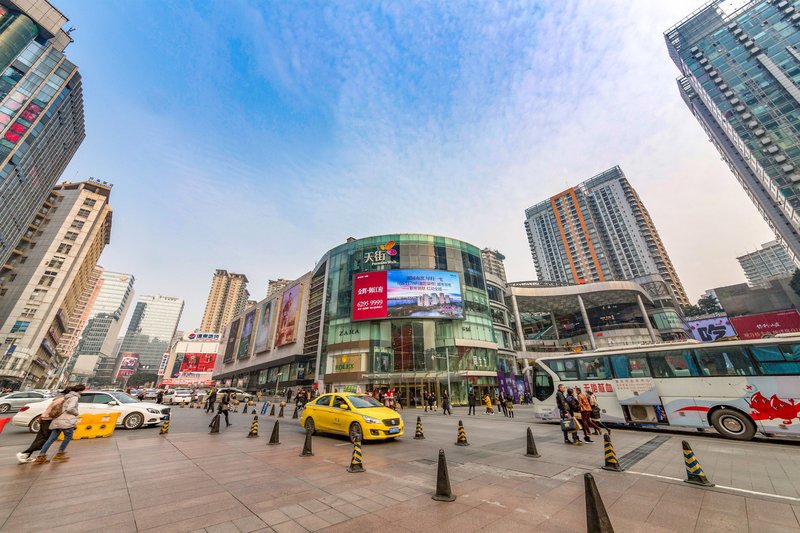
point(71, 236)
point(56, 262)
point(38, 295)
point(64, 248)
point(83, 213)
point(48, 278)
point(20, 326)
point(3, 291)
point(29, 312)
point(77, 224)
point(89, 202)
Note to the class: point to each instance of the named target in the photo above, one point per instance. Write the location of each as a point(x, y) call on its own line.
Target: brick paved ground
point(189, 480)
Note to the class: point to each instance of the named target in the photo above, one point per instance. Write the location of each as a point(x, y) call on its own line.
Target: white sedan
point(133, 413)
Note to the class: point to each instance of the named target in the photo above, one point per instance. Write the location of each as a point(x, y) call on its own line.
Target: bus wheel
point(733, 424)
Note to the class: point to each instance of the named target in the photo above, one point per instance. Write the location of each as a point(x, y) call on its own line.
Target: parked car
point(12, 401)
point(177, 396)
point(151, 394)
point(241, 395)
point(133, 413)
point(358, 416)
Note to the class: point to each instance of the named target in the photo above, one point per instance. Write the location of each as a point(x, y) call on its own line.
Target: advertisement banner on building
point(264, 329)
point(407, 294)
point(502, 385)
point(230, 344)
point(519, 390)
point(162, 367)
point(128, 365)
point(711, 329)
point(756, 326)
point(176, 365)
point(197, 362)
point(247, 334)
point(288, 316)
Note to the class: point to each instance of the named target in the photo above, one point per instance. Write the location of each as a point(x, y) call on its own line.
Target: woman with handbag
point(568, 422)
point(53, 411)
point(586, 415)
point(595, 414)
point(64, 423)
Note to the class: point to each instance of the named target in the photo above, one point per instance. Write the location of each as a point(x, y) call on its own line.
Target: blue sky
point(253, 136)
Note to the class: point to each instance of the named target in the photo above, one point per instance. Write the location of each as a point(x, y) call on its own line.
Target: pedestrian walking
point(53, 411)
point(502, 401)
point(487, 400)
point(234, 400)
point(446, 403)
point(211, 400)
point(224, 407)
point(564, 411)
point(510, 407)
point(160, 396)
point(64, 423)
point(471, 402)
point(288, 394)
point(595, 413)
point(575, 412)
point(399, 400)
point(432, 401)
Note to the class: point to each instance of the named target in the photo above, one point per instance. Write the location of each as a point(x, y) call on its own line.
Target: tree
point(709, 305)
point(795, 283)
point(691, 310)
point(141, 378)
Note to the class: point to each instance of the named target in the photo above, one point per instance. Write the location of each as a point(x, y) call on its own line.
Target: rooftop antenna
point(69, 31)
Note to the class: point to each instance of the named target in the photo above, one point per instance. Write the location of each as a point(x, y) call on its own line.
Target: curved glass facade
point(410, 354)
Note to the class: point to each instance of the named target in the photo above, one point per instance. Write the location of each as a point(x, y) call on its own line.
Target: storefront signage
point(347, 332)
point(385, 255)
point(711, 329)
point(756, 326)
point(347, 363)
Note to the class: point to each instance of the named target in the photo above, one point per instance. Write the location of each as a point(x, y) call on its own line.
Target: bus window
point(567, 369)
point(724, 361)
point(673, 364)
point(594, 368)
point(542, 385)
point(777, 360)
point(630, 366)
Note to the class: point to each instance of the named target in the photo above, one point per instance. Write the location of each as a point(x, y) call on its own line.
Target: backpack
point(54, 410)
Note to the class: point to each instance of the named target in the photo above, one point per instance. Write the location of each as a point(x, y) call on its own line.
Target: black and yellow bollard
point(443, 492)
point(294, 415)
point(531, 446)
point(272, 411)
point(280, 413)
point(253, 427)
point(214, 424)
point(597, 520)
point(307, 445)
point(418, 434)
point(165, 426)
point(275, 437)
point(611, 461)
point(694, 473)
point(357, 461)
point(462, 435)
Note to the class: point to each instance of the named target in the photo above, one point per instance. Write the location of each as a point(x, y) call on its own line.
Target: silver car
point(14, 400)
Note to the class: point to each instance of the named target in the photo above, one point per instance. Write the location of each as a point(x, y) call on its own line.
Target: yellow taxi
point(358, 416)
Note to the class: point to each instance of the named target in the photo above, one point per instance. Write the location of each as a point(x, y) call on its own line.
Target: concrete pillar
point(646, 318)
point(555, 325)
point(586, 323)
point(518, 322)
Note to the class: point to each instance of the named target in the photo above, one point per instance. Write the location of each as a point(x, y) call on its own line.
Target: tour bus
point(738, 387)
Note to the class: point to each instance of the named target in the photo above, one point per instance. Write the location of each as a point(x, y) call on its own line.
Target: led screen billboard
point(197, 362)
point(247, 334)
point(128, 365)
point(230, 345)
point(756, 326)
point(407, 294)
point(288, 315)
point(711, 329)
point(264, 330)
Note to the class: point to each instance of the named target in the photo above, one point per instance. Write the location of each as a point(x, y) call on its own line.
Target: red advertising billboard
point(756, 326)
point(198, 362)
point(369, 296)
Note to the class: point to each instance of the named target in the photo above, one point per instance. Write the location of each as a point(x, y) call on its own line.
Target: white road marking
point(790, 498)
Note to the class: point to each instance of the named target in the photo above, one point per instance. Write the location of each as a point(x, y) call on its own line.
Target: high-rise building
point(740, 79)
point(40, 295)
point(598, 231)
point(493, 263)
point(770, 261)
point(150, 333)
point(41, 115)
point(276, 285)
point(94, 358)
point(82, 312)
point(228, 297)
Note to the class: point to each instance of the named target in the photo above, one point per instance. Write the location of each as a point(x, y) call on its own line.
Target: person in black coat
point(471, 401)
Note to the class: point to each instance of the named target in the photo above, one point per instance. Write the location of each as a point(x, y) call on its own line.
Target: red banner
point(756, 326)
point(198, 362)
point(369, 296)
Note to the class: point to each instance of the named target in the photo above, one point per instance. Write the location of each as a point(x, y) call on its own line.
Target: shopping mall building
point(419, 313)
point(391, 311)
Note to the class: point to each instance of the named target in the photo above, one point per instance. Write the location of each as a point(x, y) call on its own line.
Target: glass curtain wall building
point(41, 116)
point(150, 332)
point(740, 77)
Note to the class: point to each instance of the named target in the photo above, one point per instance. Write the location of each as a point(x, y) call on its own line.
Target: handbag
point(568, 424)
point(595, 412)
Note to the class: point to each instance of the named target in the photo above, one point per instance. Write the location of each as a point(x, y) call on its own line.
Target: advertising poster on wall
point(287, 316)
point(711, 329)
point(230, 345)
point(128, 366)
point(247, 335)
point(407, 294)
point(197, 362)
point(264, 329)
point(756, 326)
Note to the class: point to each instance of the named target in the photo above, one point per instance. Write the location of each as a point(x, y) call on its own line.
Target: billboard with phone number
point(407, 294)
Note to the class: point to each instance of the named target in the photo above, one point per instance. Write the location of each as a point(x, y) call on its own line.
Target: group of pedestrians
point(579, 411)
point(60, 417)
